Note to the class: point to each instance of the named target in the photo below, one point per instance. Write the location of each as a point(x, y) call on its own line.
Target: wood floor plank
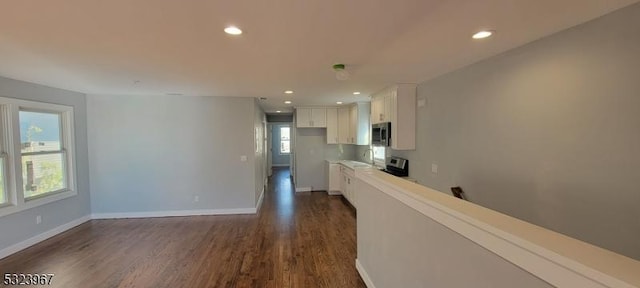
point(297, 240)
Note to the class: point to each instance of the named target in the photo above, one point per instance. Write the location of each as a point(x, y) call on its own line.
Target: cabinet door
point(377, 109)
point(303, 118)
point(332, 125)
point(353, 124)
point(343, 183)
point(319, 117)
point(390, 105)
point(344, 124)
point(334, 177)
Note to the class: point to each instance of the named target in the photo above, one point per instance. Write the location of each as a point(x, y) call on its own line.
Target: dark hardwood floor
point(297, 240)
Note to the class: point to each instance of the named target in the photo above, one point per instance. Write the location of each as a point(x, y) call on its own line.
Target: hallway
point(296, 240)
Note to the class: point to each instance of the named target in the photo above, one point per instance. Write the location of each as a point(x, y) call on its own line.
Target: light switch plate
point(434, 168)
point(243, 158)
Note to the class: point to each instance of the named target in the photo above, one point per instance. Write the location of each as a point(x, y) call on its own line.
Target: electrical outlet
point(196, 198)
point(243, 158)
point(434, 168)
point(38, 219)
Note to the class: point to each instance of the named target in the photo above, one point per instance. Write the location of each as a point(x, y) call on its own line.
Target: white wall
point(548, 132)
point(156, 153)
point(21, 226)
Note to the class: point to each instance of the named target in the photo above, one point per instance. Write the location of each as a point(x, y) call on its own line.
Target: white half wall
point(172, 153)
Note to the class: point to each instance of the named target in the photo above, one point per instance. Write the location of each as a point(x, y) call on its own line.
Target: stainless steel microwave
point(381, 134)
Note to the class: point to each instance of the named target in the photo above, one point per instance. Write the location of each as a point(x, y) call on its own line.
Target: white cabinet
point(348, 185)
point(359, 125)
point(377, 108)
point(311, 117)
point(343, 125)
point(397, 104)
point(334, 178)
point(383, 105)
point(332, 126)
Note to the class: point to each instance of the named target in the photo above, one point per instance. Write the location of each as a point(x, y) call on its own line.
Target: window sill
point(37, 201)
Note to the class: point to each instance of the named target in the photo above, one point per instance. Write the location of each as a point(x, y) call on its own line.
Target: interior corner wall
point(547, 132)
point(311, 150)
point(157, 153)
point(21, 226)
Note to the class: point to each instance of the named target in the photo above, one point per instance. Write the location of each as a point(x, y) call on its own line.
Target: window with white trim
point(285, 140)
point(379, 155)
point(36, 142)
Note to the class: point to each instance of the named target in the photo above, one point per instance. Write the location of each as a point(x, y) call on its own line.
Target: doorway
point(280, 146)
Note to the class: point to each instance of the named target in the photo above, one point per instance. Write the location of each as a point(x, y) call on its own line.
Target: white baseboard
point(364, 275)
point(41, 237)
point(173, 213)
point(260, 199)
point(303, 189)
point(332, 193)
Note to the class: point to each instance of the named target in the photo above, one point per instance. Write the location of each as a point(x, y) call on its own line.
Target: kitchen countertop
point(351, 164)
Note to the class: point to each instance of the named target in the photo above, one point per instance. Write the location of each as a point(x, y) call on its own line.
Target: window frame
point(289, 140)
point(380, 162)
point(10, 147)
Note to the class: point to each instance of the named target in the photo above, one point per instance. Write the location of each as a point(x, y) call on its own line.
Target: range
point(397, 166)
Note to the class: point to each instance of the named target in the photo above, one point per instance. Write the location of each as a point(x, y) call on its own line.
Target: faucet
point(365, 154)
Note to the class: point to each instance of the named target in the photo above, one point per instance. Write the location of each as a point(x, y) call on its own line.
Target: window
point(42, 153)
point(285, 142)
point(3, 190)
point(37, 155)
point(379, 155)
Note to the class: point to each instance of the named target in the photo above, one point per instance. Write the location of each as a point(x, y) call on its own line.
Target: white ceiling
point(169, 46)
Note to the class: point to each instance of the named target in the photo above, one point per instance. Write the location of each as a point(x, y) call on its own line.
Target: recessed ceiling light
point(338, 102)
point(232, 30)
point(278, 111)
point(287, 102)
point(288, 92)
point(482, 34)
point(356, 93)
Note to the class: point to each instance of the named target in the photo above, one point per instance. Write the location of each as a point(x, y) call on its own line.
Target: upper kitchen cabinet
point(344, 135)
point(359, 125)
point(311, 117)
point(397, 104)
point(332, 126)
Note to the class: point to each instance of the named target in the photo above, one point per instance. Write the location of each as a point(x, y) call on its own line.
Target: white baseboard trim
point(173, 213)
point(303, 189)
point(42, 236)
point(260, 199)
point(364, 275)
point(333, 193)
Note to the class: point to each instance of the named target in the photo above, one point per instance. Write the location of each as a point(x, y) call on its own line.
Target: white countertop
point(351, 164)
